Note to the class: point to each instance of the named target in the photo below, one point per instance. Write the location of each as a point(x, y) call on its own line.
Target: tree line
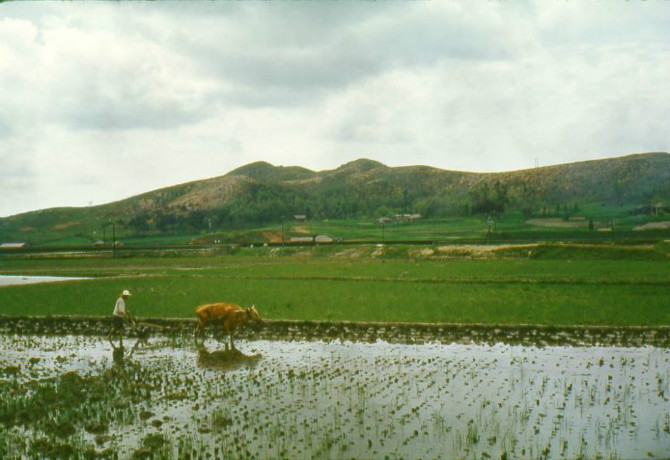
point(270, 203)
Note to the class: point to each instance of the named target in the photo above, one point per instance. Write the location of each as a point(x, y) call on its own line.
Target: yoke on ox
point(228, 315)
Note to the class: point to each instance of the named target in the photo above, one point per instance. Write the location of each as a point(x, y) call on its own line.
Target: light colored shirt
point(120, 307)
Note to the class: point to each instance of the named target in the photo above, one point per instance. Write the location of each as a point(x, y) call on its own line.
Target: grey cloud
point(18, 178)
point(121, 111)
point(15, 173)
point(5, 127)
point(93, 76)
point(123, 97)
point(601, 23)
point(291, 58)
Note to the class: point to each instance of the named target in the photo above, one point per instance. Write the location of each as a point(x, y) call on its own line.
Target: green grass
point(319, 284)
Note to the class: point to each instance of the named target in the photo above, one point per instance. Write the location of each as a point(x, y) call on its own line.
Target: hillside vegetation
point(259, 194)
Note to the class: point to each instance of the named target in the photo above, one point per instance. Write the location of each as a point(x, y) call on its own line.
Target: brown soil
point(272, 237)
point(64, 225)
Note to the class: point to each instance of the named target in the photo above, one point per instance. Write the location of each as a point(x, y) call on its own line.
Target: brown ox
point(228, 315)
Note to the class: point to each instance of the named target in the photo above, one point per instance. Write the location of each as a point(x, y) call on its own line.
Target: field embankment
point(366, 332)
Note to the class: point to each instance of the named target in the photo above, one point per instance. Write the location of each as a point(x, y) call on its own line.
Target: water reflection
point(225, 360)
point(118, 354)
point(333, 400)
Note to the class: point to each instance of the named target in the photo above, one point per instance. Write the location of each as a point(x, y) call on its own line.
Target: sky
point(100, 101)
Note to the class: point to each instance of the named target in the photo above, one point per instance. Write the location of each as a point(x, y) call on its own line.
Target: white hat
point(125, 292)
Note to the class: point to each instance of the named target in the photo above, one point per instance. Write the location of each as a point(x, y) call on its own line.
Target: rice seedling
point(334, 398)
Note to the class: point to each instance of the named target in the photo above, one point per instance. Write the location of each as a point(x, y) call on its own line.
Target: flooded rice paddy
point(13, 280)
point(75, 396)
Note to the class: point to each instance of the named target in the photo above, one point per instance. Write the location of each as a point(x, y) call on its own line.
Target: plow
point(142, 330)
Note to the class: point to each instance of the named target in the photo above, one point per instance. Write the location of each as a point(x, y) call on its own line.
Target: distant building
point(10, 246)
point(302, 239)
point(300, 217)
point(323, 239)
point(384, 220)
point(408, 217)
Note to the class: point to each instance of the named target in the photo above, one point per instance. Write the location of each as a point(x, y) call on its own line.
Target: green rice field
point(362, 283)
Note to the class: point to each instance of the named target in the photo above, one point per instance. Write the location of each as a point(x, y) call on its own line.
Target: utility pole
point(491, 225)
point(404, 202)
point(113, 240)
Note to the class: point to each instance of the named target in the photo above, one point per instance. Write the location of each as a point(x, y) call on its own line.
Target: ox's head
point(253, 314)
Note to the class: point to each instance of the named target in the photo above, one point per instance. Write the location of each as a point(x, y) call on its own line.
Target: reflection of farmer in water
point(119, 316)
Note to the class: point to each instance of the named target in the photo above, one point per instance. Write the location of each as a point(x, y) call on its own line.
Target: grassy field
point(544, 285)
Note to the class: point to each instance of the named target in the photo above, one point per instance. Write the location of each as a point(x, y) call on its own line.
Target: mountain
point(260, 192)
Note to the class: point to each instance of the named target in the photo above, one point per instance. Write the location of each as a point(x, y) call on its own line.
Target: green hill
point(260, 193)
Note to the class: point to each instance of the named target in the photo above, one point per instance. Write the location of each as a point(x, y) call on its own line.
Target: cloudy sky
point(102, 101)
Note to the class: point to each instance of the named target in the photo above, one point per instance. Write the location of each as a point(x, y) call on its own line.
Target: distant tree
point(383, 211)
point(139, 223)
point(491, 201)
point(197, 220)
point(527, 211)
point(166, 222)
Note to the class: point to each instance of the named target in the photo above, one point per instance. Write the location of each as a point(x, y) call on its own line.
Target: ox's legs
point(199, 327)
point(198, 333)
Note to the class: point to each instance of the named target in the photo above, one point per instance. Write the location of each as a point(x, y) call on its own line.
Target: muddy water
point(343, 399)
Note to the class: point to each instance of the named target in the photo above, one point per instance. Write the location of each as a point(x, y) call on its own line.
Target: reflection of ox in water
point(228, 315)
point(225, 360)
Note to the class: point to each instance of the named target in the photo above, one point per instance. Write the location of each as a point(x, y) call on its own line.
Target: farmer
point(120, 315)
